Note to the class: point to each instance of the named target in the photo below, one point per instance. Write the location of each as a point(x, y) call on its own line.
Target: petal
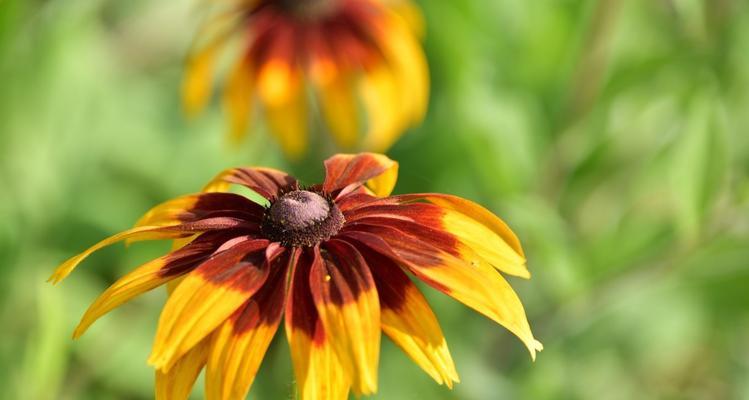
point(408, 63)
point(239, 98)
point(198, 79)
point(199, 70)
point(471, 281)
point(287, 118)
point(177, 383)
point(479, 229)
point(319, 373)
point(135, 234)
point(408, 320)
point(206, 298)
point(240, 343)
point(449, 230)
point(410, 14)
point(346, 300)
point(267, 182)
point(340, 109)
point(382, 98)
point(199, 206)
point(377, 171)
point(148, 276)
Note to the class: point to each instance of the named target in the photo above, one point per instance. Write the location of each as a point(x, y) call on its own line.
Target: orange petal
point(346, 300)
point(206, 298)
point(240, 343)
point(319, 373)
point(377, 171)
point(177, 383)
point(409, 321)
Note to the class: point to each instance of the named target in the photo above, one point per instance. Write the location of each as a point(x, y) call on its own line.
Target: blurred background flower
point(348, 54)
point(612, 135)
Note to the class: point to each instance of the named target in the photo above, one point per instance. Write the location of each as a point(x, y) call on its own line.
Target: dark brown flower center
point(302, 218)
point(309, 9)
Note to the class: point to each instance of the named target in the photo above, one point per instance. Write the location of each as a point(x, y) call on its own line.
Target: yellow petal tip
point(534, 347)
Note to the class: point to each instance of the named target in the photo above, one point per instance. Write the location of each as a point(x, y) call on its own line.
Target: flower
point(333, 260)
point(346, 52)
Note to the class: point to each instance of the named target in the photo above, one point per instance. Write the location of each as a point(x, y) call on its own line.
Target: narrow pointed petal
point(150, 275)
point(346, 300)
point(177, 383)
point(408, 320)
point(198, 79)
point(199, 206)
point(239, 98)
point(238, 346)
point(471, 281)
point(319, 373)
point(408, 63)
point(267, 182)
point(378, 172)
point(384, 105)
point(340, 109)
point(287, 119)
point(140, 233)
point(207, 297)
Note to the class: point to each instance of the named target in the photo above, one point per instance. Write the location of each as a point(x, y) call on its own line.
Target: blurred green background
point(611, 135)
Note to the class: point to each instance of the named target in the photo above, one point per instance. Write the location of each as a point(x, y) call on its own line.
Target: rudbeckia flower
point(334, 261)
point(360, 59)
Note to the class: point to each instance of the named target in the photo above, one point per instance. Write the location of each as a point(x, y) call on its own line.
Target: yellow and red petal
point(376, 171)
point(138, 234)
point(320, 375)
point(151, 275)
point(177, 383)
point(206, 298)
point(473, 282)
point(200, 206)
point(346, 300)
point(239, 344)
point(469, 221)
point(473, 211)
point(267, 182)
point(475, 230)
point(408, 320)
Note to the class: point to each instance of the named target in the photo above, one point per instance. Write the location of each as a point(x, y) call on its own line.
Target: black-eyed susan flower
point(360, 59)
point(335, 261)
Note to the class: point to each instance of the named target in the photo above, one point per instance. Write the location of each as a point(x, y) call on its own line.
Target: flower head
point(334, 260)
point(345, 52)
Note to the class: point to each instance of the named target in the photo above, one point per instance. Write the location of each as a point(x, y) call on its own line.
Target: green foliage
point(611, 135)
